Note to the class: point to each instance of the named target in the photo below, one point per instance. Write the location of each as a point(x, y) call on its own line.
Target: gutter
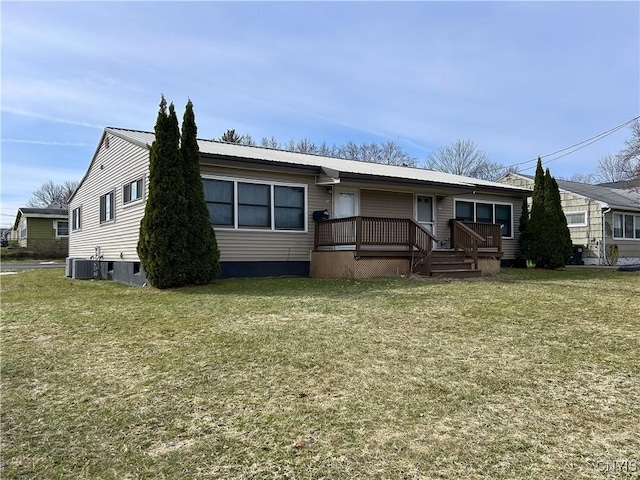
point(604, 237)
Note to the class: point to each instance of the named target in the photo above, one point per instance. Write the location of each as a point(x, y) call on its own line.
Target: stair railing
point(465, 239)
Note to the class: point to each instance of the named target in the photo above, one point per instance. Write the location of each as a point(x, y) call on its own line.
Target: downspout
point(604, 238)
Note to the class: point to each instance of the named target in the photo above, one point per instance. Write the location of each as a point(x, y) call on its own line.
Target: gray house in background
point(604, 221)
point(282, 213)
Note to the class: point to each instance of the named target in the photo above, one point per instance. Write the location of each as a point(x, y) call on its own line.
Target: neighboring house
point(604, 222)
point(283, 213)
point(43, 230)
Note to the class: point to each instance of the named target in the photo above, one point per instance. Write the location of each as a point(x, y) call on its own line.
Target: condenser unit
point(82, 269)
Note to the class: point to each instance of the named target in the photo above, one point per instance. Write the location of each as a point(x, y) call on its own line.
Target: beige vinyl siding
point(445, 211)
point(120, 163)
point(626, 247)
point(243, 245)
point(590, 235)
point(380, 203)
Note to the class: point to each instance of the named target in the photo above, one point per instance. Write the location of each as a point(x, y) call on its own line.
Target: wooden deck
point(404, 238)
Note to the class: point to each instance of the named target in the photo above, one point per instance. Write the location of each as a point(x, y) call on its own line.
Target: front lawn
point(532, 374)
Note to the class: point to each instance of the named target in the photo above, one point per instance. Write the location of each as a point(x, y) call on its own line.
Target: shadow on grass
point(342, 288)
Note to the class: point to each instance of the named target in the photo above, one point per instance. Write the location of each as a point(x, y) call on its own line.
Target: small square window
point(107, 207)
point(62, 228)
point(132, 191)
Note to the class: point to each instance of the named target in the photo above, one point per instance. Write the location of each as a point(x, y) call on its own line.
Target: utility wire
point(580, 146)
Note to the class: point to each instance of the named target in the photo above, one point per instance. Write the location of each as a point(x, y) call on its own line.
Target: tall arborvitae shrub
point(536, 237)
point(560, 248)
point(162, 245)
point(546, 240)
point(203, 259)
point(524, 232)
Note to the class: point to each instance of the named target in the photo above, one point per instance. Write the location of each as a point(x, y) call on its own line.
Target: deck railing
point(374, 231)
point(471, 236)
point(377, 232)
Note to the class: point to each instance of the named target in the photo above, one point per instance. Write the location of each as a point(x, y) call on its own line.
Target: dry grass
point(529, 375)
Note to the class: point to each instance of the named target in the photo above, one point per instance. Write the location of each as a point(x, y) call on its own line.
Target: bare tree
point(630, 154)
point(389, 153)
point(624, 165)
point(611, 168)
point(270, 142)
point(50, 194)
point(463, 157)
point(582, 178)
point(327, 151)
point(305, 145)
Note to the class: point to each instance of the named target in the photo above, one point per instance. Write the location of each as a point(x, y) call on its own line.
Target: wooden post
point(412, 234)
point(358, 233)
point(316, 235)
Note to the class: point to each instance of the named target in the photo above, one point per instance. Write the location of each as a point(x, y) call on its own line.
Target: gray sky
point(521, 79)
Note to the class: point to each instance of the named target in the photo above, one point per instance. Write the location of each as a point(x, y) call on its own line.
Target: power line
point(579, 145)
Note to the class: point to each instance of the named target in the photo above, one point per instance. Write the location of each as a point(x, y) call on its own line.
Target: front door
point(345, 205)
point(424, 212)
point(346, 202)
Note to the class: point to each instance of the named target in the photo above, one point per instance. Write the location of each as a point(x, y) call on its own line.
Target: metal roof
point(268, 155)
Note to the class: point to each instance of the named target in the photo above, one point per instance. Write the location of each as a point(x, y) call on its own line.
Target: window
point(503, 217)
point(132, 191)
point(464, 211)
point(22, 233)
point(75, 219)
point(106, 207)
point(219, 197)
point(289, 208)
point(62, 228)
point(576, 219)
point(483, 212)
point(626, 226)
point(255, 205)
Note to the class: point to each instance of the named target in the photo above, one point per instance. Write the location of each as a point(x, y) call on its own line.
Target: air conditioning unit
point(82, 269)
point(68, 267)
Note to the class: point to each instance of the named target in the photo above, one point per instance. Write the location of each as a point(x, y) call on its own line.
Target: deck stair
point(448, 264)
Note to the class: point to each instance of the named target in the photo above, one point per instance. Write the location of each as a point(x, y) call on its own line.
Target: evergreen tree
point(522, 228)
point(163, 243)
point(559, 249)
point(203, 257)
point(545, 239)
point(231, 136)
point(533, 241)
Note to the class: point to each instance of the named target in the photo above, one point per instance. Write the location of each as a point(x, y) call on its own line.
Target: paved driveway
point(14, 267)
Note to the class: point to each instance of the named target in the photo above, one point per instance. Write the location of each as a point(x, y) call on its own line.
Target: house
point(282, 213)
point(43, 230)
point(604, 221)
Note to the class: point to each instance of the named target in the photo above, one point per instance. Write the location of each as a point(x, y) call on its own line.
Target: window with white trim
point(255, 205)
point(626, 226)
point(76, 222)
point(22, 228)
point(486, 212)
point(576, 219)
point(62, 228)
point(132, 191)
point(107, 207)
